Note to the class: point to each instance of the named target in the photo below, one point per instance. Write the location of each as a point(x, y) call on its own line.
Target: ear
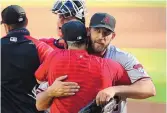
point(88, 31)
point(26, 22)
point(6, 28)
point(113, 35)
point(65, 45)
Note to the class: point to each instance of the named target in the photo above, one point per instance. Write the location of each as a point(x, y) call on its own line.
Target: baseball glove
point(108, 108)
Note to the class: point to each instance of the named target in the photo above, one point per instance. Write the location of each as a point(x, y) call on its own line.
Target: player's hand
point(60, 89)
point(104, 96)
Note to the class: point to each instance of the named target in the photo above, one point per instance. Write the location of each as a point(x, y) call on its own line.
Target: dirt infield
point(146, 107)
point(136, 27)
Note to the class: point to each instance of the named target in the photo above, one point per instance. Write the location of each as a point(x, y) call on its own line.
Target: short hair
point(82, 20)
point(19, 25)
point(77, 44)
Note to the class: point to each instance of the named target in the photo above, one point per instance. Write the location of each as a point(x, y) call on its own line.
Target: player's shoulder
point(121, 56)
point(116, 53)
point(47, 40)
point(111, 64)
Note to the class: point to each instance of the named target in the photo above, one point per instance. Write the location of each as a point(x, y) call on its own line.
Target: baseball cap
point(103, 20)
point(74, 31)
point(13, 14)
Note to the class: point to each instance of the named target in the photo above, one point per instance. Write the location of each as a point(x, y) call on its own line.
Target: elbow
point(147, 88)
point(153, 91)
point(40, 107)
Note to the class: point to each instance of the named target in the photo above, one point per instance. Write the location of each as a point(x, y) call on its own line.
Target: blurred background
point(140, 30)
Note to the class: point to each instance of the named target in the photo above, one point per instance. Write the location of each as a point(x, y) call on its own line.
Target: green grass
point(92, 3)
point(154, 61)
point(126, 3)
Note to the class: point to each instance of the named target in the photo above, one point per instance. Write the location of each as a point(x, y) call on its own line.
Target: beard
point(96, 48)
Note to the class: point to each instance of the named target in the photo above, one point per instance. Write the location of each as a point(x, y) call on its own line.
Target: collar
point(91, 51)
point(59, 43)
point(106, 51)
point(16, 32)
point(79, 51)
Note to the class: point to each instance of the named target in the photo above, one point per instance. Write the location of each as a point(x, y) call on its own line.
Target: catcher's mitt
point(108, 108)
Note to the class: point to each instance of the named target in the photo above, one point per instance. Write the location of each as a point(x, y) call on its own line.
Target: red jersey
point(92, 73)
point(54, 43)
point(43, 49)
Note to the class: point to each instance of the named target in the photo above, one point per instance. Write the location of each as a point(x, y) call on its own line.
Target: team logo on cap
point(20, 19)
point(106, 20)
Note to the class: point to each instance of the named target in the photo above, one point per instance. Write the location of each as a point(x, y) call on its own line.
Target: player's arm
point(116, 75)
point(42, 103)
point(41, 72)
point(137, 85)
point(54, 43)
point(43, 49)
point(45, 95)
point(141, 86)
point(47, 40)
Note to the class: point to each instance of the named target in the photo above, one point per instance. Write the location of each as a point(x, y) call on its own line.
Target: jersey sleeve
point(43, 49)
point(118, 74)
point(42, 72)
point(54, 43)
point(133, 67)
point(47, 40)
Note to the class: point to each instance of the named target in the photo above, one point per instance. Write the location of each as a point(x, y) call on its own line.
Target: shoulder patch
point(139, 67)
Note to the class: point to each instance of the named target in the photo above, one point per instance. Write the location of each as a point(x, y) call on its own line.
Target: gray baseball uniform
point(132, 66)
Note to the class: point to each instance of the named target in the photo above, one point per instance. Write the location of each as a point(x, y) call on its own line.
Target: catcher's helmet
point(68, 8)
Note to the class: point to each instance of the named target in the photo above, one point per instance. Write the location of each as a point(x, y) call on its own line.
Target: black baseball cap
point(103, 20)
point(74, 31)
point(13, 14)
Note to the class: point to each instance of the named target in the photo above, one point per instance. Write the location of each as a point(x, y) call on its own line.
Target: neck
point(77, 48)
point(100, 54)
point(103, 53)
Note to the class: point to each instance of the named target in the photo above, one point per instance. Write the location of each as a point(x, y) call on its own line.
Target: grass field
point(154, 61)
point(91, 3)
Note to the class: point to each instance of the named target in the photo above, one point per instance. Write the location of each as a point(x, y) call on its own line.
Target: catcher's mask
point(70, 8)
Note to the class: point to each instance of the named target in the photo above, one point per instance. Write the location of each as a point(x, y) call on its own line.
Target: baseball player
point(66, 10)
point(92, 73)
point(102, 32)
point(101, 47)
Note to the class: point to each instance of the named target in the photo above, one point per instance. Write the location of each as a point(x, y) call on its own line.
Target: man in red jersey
point(74, 10)
point(92, 73)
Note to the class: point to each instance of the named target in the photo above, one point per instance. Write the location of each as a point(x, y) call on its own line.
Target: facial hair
point(93, 50)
